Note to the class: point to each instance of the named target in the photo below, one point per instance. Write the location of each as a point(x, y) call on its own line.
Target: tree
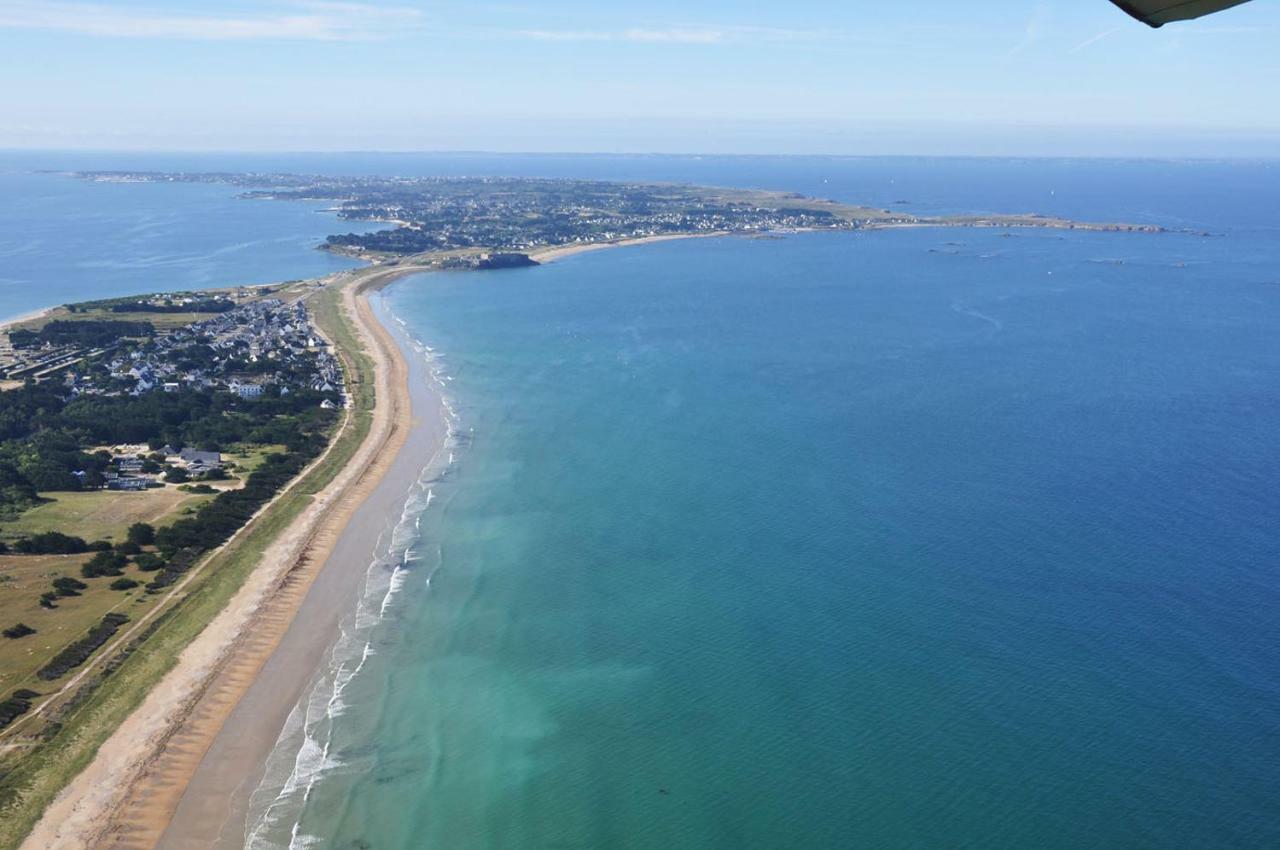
point(104, 564)
point(50, 543)
point(141, 533)
point(68, 586)
point(45, 475)
point(149, 562)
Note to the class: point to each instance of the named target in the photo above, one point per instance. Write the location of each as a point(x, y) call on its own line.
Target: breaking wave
point(304, 752)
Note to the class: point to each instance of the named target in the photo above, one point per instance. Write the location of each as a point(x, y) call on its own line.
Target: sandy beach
point(167, 776)
point(179, 771)
point(33, 316)
point(211, 812)
point(550, 255)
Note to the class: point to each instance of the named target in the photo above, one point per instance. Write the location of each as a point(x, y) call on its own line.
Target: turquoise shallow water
point(911, 539)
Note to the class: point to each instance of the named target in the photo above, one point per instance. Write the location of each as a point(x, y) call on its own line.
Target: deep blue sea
point(923, 538)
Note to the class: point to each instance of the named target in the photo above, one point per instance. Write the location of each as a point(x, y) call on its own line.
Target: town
point(262, 345)
point(524, 214)
point(461, 219)
point(137, 436)
point(250, 350)
point(249, 347)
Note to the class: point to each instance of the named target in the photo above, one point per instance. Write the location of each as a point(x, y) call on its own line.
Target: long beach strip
point(168, 776)
point(129, 792)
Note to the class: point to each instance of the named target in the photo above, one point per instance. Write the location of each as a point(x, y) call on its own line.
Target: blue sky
point(931, 76)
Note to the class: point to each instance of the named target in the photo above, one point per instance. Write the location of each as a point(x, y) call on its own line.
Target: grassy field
point(106, 514)
point(163, 321)
point(765, 199)
point(249, 458)
point(101, 514)
point(22, 580)
point(30, 777)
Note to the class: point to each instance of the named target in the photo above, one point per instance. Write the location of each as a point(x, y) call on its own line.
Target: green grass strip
point(30, 780)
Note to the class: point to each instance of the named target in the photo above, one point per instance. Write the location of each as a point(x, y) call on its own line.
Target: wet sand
point(211, 812)
point(178, 772)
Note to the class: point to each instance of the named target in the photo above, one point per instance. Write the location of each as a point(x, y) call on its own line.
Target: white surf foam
point(303, 755)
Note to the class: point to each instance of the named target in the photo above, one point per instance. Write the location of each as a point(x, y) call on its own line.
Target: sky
point(998, 77)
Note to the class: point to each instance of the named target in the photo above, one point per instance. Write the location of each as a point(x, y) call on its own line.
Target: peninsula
point(496, 222)
point(179, 469)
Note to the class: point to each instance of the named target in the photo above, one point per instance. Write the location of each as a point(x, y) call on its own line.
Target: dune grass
point(31, 777)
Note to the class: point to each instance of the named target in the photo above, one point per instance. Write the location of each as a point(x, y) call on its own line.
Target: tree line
point(44, 437)
point(87, 333)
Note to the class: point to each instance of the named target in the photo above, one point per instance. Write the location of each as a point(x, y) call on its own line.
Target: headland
point(499, 222)
point(201, 687)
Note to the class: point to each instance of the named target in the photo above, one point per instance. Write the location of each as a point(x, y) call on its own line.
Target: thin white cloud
point(679, 35)
point(1034, 30)
point(564, 35)
point(319, 20)
point(1094, 39)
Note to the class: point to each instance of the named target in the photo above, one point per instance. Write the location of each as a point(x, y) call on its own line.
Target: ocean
point(922, 538)
point(64, 240)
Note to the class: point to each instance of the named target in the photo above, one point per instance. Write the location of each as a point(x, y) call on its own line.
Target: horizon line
point(634, 154)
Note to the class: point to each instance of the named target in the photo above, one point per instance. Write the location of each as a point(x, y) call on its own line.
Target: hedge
point(78, 653)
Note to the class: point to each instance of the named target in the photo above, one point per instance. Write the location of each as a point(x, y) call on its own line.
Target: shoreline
point(33, 316)
point(167, 776)
point(559, 252)
point(136, 781)
point(218, 798)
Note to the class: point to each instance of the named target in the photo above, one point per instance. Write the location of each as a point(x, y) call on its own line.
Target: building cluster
point(17, 365)
point(136, 468)
point(521, 222)
point(523, 214)
point(257, 348)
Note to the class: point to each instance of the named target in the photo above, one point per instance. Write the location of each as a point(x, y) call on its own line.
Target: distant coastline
point(150, 778)
point(460, 223)
point(560, 252)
